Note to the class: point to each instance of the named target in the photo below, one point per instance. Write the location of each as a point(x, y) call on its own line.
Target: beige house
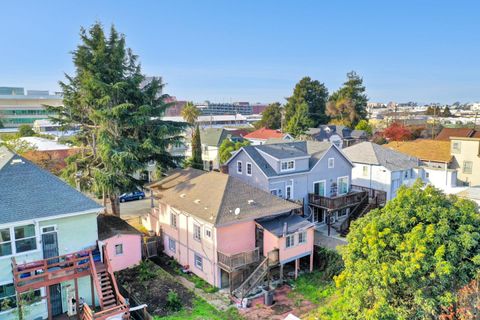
point(466, 153)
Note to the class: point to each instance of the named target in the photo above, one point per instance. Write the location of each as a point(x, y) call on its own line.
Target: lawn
point(202, 310)
point(313, 287)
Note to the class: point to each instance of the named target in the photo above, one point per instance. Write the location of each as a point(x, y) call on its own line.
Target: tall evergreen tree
point(352, 92)
point(315, 95)
point(271, 117)
point(196, 160)
point(119, 116)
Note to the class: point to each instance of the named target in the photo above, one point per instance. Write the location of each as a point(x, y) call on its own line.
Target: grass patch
point(202, 310)
point(199, 282)
point(313, 287)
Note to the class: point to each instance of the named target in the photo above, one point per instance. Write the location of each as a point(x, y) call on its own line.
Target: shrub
point(145, 270)
point(173, 301)
point(330, 262)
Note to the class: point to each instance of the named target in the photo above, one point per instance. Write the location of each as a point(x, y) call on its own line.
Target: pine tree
point(119, 115)
point(196, 160)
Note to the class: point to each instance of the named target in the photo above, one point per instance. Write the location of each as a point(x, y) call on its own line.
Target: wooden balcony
point(46, 272)
point(231, 262)
point(377, 197)
point(338, 202)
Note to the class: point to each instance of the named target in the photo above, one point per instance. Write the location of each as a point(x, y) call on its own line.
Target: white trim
point(339, 151)
point(338, 185)
point(324, 189)
point(289, 186)
point(246, 169)
point(287, 162)
point(48, 226)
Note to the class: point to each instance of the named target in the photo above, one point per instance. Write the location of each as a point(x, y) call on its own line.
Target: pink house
point(122, 241)
point(227, 232)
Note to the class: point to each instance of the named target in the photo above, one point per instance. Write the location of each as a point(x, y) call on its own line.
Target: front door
point(259, 239)
point(56, 299)
point(50, 246)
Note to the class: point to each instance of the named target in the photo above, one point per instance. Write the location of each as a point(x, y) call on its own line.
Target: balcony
point(338, 202)
point(46, 272)
point(232, 262)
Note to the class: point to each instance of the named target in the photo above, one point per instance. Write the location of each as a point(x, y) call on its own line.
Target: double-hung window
point(239, 167)
point(302, 237)
point(208, 232)
point(172, 246)
point(288, 192)
point(119, 249)
point(198, 261)
point(289, 241)
point(173, 220)
point(197, 233)
point(288, 165)
point(467, 167)
point(249, 169)
point(331, 163)
point(456, 147)
point(25, 239)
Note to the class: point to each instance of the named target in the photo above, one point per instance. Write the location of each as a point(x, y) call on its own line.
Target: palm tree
point(190, 113)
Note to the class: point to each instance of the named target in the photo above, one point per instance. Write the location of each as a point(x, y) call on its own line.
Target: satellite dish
point(237, 211)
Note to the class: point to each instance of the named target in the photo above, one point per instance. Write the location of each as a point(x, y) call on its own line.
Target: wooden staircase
point(108, 299)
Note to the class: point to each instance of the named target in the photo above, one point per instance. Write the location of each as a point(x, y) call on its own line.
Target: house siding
point(132, 251)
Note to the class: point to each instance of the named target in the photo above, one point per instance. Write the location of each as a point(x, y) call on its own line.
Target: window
point(427, 174)
point(198, 261)
point(249, 169)
point(25, 239)
point(208, 232)
point(288, 192)
point(172, 246)
point(48, 229)
point(288, 165)
point(319, 188)
point(302, 237)
point(456, 147)
point(274, 192)
point(331, 162)
point(8, 299)
point(342, 185)
point(289, 241)
point(5, 242)
point(173, 220)
point(118, 249)
point(196, 232)
point(365, 171)
point(239, 167)
point(467, 167)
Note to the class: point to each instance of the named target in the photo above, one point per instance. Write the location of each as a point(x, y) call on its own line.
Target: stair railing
point(352, 215)
point(95, 279)
point(106, 260)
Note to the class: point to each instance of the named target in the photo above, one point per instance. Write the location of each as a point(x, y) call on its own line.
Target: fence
point(151, 246)
point(141, 314)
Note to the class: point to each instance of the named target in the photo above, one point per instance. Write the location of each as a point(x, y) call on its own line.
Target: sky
point(256, 50)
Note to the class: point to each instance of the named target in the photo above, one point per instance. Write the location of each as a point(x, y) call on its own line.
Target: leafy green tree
point(25, 130)
point(271, 117)
point(119, 115)
point(190, 113)
point(228, 146)
point(314, 94)
point(364, 125)
point(300, 121)
point(196, 160)
point(407, 260)
point(352, 92)
point(446, 112)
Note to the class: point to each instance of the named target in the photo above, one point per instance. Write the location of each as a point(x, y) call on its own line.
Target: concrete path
point(331, 242)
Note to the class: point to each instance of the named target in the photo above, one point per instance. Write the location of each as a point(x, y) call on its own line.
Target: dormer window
point(288, 165)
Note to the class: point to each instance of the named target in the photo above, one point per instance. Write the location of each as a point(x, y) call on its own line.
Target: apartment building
point(466, 154)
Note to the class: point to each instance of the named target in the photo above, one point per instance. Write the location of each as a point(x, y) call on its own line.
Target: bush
point(330, 262)
point(25, 131)
point(173, 301)
point(146, 271)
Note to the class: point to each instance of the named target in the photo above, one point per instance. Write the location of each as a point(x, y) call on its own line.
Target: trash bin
point(269, 297)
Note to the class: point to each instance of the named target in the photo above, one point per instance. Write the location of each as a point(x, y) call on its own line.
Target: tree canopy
point(119, 114)
point(314, 94)
point(271, 117)
point(300, 121)
point(348, 105)
point(407, 260)
point(397, 132)
point(228, 146)
point(190, 113)
point(25, 130)
point(364, 125)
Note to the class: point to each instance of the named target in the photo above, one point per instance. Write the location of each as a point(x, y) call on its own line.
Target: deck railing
point(337, 202)
point(378, 196)
point(235, 261)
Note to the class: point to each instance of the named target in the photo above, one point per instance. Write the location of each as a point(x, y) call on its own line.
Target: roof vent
point(183, 195)
point(197, 201)
point(17, 161)
point(251, 202)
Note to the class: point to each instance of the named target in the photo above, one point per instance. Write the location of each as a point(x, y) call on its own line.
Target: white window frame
point(364, 171)
point(287, 187)
point(457, 150)
point(173, 220)
point(248, 165)
point(331, 163)
point(289, 241)
point(54, 226)
point(121, 246)
point(195, 256)
point(287, 162)
point(239, 167)
point(338, 185)
point(12, 241)
point(208, 232)
point(197, 235)
point(303, 235)
point(172, 248)
point(324, 188)
point(463, 167)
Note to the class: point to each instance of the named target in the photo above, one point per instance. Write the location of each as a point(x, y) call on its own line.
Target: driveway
point(135, 208)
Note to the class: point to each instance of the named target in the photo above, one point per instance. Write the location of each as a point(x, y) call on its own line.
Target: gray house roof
point(111, 226)
point(214, 197)
point(372, 153)
point(287, 150)
point(293, 223)
point(29, 192)
point(326, 131)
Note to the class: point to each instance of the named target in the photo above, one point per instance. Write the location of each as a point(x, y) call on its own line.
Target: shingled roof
point(29, 192)
point(424, 149)
point(214, 197)
point(110, 226)
point(447, 133)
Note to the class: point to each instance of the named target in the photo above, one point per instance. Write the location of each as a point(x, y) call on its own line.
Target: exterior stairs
point(362, 208)
point(108, 297)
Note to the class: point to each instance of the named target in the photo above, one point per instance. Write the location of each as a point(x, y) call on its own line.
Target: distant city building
point(243, 108)
point(17, 108)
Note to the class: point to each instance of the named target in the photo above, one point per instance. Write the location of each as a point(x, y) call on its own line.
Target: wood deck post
point(93, 291)
point(296, 268)
point(49, 305)
point(77, 303)
point(281, 273)
point(311, 261)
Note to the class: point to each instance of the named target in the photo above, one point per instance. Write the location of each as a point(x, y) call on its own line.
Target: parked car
point(135, 195)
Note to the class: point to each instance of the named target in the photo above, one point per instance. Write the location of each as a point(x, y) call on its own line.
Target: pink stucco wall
point(270, 242)
point(236, 238)
point(132, 251)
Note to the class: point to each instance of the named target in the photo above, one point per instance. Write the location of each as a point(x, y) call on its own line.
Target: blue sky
point(427, 51)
